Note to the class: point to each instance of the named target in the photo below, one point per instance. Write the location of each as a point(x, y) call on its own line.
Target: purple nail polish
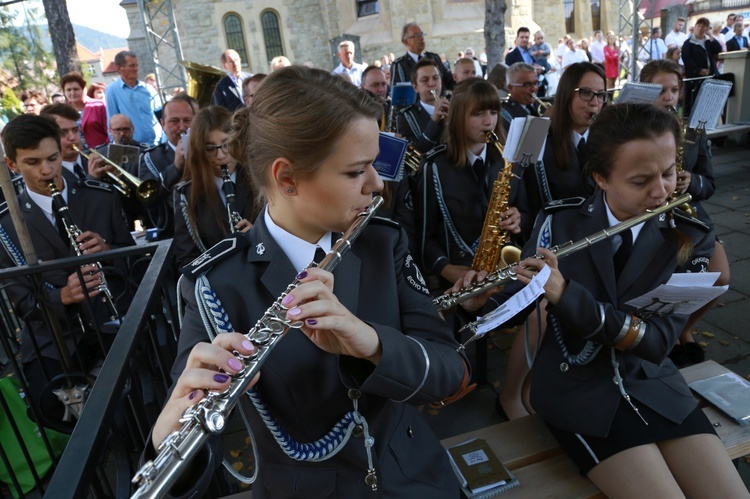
point(302, 274)
point(287, 300)
point(221, 378)
point(311, 322)
point(247, 345)
point(234, 364)
point(192, 395)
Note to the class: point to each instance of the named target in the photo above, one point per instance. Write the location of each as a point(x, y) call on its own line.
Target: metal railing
point(130, 388)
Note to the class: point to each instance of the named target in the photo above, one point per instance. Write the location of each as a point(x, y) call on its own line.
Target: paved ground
point(722, 332)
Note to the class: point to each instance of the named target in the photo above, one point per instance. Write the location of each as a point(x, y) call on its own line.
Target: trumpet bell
point(202, 80)
point(147, 191)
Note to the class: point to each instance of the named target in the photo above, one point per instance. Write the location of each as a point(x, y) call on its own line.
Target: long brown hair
point(561, 123)
point(299, 114)
point(197, 169)
point(657, 66)
point(622, 123)
point(469, 96)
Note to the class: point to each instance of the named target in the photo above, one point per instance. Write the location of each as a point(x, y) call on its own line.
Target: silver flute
point(502, 276)
point(208, 416)
point(72, 231)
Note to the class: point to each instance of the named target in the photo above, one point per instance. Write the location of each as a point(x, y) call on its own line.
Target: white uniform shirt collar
point(299, 251)
point(427, 107)
point(613, 221)
point(472, 157)
point(415, 56)
point(577, 137)
point(45, 202)
point(70, 165)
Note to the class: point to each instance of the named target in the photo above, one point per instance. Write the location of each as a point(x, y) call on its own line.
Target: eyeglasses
point(527, 85)
point(587, 94)
point(121, 130)
point(417, 35)
point(214, 150)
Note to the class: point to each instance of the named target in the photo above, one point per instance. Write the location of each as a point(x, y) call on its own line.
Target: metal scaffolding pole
point(161, 33)
point(630, 21)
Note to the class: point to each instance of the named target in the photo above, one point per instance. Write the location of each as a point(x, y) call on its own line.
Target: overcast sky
point(102, 15)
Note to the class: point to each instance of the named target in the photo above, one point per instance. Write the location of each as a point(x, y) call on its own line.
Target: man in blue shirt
point(136, 100)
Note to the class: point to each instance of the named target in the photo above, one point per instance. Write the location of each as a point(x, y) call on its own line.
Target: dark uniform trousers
point(307, 389)
point(583, 398)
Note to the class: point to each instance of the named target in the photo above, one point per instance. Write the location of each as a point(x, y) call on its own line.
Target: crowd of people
point(260, 183)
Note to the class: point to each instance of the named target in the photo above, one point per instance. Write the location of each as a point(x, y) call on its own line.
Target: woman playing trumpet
point(202, 217)
point(696, 177)
point(643, 434)
point(362, 324)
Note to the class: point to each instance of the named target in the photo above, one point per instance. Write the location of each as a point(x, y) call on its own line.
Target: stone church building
point(310, 30)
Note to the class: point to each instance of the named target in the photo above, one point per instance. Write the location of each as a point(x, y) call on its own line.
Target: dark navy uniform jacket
point(307, 389)
point(583, 399)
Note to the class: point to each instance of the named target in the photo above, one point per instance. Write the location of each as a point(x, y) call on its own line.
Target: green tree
point(10, 105)
point(22, 50)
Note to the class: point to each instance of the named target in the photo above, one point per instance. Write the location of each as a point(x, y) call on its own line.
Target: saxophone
point(506, 274)
point(494, 244)
point(680, 160)
point(228, 187)
point(208, 416)
point(72, 230)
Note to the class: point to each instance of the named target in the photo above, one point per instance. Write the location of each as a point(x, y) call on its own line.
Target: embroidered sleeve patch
point(414, 277)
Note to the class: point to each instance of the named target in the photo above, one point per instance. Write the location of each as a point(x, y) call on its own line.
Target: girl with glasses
point(603, 383)
point(559, 175)
point(697, 179)
point(202, 217)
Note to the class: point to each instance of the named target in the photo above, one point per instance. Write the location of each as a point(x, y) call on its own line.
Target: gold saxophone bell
point(145, 190)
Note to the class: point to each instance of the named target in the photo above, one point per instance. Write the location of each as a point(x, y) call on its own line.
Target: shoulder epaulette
point(215, 254)
point(400, 59)
point(96, 184)
point(561, 204)
point(145, 147)
point(385, 221)
point(435, 151)
point(181, 186)
point(3, 208)
point(150, 148)
point(681, 215)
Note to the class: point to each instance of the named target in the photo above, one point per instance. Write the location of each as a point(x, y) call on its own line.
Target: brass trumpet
point(543, 104)
point(145, 190)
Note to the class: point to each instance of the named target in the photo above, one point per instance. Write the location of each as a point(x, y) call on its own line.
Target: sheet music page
point(645, 93)
point(667, 299)
point(515, 304)
point(531, 144)
point(514, 136)
point(710, 102)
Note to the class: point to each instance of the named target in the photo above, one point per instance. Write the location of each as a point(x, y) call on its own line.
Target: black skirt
point(628, 430)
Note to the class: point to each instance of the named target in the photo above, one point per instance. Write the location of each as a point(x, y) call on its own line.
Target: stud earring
point(290, 190)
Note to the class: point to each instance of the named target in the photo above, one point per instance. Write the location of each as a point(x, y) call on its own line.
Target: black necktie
point(581, 151)
point(623, 252)
point(78, 169)
point(481, 170)
point(319, 255)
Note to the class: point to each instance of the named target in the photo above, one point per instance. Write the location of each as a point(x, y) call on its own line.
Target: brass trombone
point(145, 190)
point(543, 104)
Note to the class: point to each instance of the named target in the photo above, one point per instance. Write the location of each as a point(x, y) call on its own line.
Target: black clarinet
point(72, 230)
point(228, 188)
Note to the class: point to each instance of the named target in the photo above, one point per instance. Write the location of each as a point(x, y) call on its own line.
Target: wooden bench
point(529, 450)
